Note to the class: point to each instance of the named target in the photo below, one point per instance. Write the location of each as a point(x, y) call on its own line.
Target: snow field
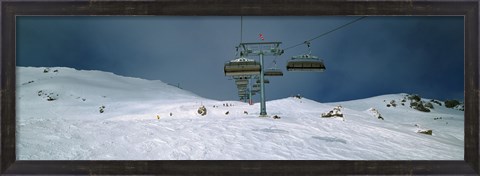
point(70, 128)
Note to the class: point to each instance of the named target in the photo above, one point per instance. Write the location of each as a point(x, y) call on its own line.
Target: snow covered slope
point(67, 114)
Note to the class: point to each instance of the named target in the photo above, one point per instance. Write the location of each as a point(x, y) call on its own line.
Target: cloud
point(376, 55)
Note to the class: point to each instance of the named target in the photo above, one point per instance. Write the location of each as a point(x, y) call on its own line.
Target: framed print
point(230, 87)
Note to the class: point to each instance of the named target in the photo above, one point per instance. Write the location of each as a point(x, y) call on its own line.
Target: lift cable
point(241, 29)
point(321, 35)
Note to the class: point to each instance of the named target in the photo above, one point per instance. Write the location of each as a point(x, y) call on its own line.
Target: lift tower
point(261, 49)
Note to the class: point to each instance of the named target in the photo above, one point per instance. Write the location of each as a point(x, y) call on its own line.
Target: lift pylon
point(261, 49)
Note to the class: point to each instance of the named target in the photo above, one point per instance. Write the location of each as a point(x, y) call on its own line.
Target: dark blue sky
point(374, 56)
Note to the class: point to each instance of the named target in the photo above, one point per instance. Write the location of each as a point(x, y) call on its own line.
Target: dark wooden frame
point(10, 9)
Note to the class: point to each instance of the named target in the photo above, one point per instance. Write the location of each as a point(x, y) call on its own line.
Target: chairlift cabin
point(242, 66)
point(304, 63)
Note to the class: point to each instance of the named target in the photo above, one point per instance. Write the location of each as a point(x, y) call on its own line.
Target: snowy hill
point(67, 114)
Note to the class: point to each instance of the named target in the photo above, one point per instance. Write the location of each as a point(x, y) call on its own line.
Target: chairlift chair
point(266, 81)
point(242, 66)
point(306, 62)
point(274, 71)
point(241, 82)
point(242, 88)
point(255, 88)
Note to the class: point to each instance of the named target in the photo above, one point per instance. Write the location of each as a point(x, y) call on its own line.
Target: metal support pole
point(250, 101)
point(263, 111)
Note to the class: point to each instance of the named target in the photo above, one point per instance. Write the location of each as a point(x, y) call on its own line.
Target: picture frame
point(468, 9)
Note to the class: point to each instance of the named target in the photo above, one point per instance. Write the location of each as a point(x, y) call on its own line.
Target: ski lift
point(241, 82)
point(242, 92)
point(256, 87)
point(306, 62)
point(242, 66)
point(242, 88)
point(274, 71)
point(266, 81)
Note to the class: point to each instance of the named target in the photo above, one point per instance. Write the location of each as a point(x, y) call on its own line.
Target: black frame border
point(467, 8)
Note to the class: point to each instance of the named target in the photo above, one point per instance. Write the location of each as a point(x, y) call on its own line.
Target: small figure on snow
point(276, 117)
point(245, 112)
point(171, 114)
point(227, 112)
point(158, 117)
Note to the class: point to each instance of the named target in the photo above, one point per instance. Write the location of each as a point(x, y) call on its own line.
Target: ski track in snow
point(71, 128)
